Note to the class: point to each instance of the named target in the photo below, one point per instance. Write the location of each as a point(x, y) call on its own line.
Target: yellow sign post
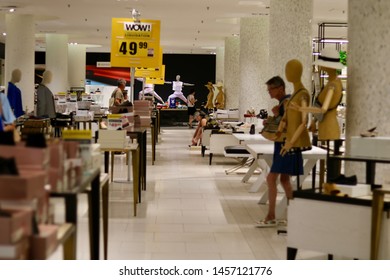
point(135, 43)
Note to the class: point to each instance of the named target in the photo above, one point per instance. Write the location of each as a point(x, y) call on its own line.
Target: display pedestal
point(334, 225)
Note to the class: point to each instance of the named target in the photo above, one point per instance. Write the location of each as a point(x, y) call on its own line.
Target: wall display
point(135, 43)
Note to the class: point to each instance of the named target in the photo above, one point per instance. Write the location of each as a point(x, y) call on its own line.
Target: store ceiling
point(187, 26)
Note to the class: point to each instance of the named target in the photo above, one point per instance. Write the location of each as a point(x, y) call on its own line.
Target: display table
point(90, 183)
point(134, 150)
point(334, 225)
point(173, 117)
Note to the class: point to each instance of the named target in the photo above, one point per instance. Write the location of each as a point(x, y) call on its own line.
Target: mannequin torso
point(297, 135)
point(328, 128)
point(220, 99)
point(45, 98)
point(210, 96)
point(14, 93)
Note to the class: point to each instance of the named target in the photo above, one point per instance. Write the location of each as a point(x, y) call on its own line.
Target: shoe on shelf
point(369, 133)
point(282, 222)
point(266, 223)
point(344, 180)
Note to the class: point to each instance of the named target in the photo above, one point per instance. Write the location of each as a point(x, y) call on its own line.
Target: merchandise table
point(263, 153)
point(90, 179)
point(154, 137)
point(370, 164)
point(134, 149)
point(246, 138)
point(140, 134)
point(336, 226)
point(173, 117)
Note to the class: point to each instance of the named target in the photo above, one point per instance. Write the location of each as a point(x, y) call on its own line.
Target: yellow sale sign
point(135, 43)
point(143, 72)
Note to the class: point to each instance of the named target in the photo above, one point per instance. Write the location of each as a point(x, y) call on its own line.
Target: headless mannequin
point(297, 136)
point(14, 93)
point(210, 96)
point(177, 87)
point(329, 97)
point(16, 76)
point(220, 99)
point(46, 78)
point(45, 98)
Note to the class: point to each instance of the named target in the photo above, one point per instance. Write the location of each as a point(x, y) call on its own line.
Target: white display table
point(333, 225)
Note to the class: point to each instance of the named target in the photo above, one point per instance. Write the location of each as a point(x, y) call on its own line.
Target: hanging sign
point(155, 81)
point(142, 72)
point(135, 43)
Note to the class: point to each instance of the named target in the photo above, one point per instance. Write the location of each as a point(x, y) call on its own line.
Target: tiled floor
point(190, 211)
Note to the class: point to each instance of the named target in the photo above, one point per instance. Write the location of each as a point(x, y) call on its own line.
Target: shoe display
point(343, 180)
point(369, 133)
point(266, 223)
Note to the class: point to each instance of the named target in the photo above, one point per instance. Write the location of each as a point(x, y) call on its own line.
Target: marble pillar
point(220, 64)
point(77, 57)
point(57, 61)
point(291, 37)
point(254, 54)
point(19, 54)
point(368, 65)
point(232, 72)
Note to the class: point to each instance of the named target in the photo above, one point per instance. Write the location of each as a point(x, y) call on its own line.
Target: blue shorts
point(290, 163)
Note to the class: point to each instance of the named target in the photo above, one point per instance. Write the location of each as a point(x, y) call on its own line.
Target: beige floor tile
point(190, 211)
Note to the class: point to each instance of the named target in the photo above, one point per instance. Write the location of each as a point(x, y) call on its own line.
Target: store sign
point(141, 72)
point(77, 135)
point(135, 43)
point(155, 81)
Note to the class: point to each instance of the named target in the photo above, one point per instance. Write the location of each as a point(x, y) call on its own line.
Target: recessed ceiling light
point(4, 34)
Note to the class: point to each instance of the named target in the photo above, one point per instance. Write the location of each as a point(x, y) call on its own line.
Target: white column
point(368, 64)
point(57, 61)
point(76, 65)
point(19, 54)
point(254, 55)
point(291, 37)
point(220, 65)
point(232, 72)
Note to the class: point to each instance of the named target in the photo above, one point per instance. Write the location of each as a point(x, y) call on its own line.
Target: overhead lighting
point(4, 34)
point(12, 10)
point(236, 35)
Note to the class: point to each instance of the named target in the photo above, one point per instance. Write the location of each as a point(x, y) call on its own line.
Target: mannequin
point(149, 90)
point(210, 97)
point(14, 93)
point(177, 87)
point(297, 136)
point(328, 98)
point(45, 98)
point(220, 99)
point(6, 115)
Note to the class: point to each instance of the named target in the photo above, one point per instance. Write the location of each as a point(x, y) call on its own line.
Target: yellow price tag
point(135, 43)
point(135, 48)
